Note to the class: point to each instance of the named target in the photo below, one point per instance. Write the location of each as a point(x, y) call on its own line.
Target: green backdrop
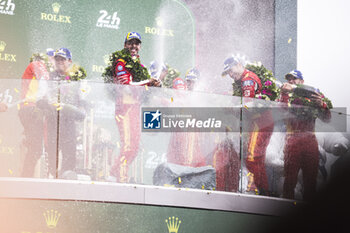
point(92, 29)
point(27, 216)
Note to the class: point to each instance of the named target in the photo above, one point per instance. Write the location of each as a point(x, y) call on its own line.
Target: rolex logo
point(159, 21)
point(173, 224)
point(159, 30)
point(106, 59)
point(56, 7)
point(2, 46)
point(101, 69)
point(51, 218)
point(6, 56)
point(55, 17)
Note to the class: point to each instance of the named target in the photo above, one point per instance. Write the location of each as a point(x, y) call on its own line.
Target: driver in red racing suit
point(185, 147)
point(31, 116)
point(260, 125)
point(301, 148)
point(127, 107)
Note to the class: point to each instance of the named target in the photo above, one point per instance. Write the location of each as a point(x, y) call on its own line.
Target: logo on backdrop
point(101, 69)
point(56, 7)
point(173, 224)
point(51, 218)
point(55, 17)
point(108, 20)
point(152, 120)
point(5, 97)
point(106, 59)
point(159, 21)
point(6, 56)
point(5, 149)
point(2, 46)
point(7, 7)
point(159, 30)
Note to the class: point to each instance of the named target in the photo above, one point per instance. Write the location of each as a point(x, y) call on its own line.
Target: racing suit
point(301, 151)
point(32, 116)
point(260, 125)
point(127, 111)
point(185, 147)
point(227, 164)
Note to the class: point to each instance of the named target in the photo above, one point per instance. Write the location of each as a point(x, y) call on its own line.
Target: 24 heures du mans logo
point(108, 21)
point(55, 17)
point(6, 56)
point(7, 7)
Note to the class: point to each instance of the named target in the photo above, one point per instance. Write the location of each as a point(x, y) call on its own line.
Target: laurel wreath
point(171, 75)
point(237, 89)
point(294, 98)
point(138, 72)
point(269, 90)
point(309, 108)
point(44, 58)
point(76, 73)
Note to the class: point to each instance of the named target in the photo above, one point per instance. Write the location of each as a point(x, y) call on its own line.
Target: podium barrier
point(94, 131)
